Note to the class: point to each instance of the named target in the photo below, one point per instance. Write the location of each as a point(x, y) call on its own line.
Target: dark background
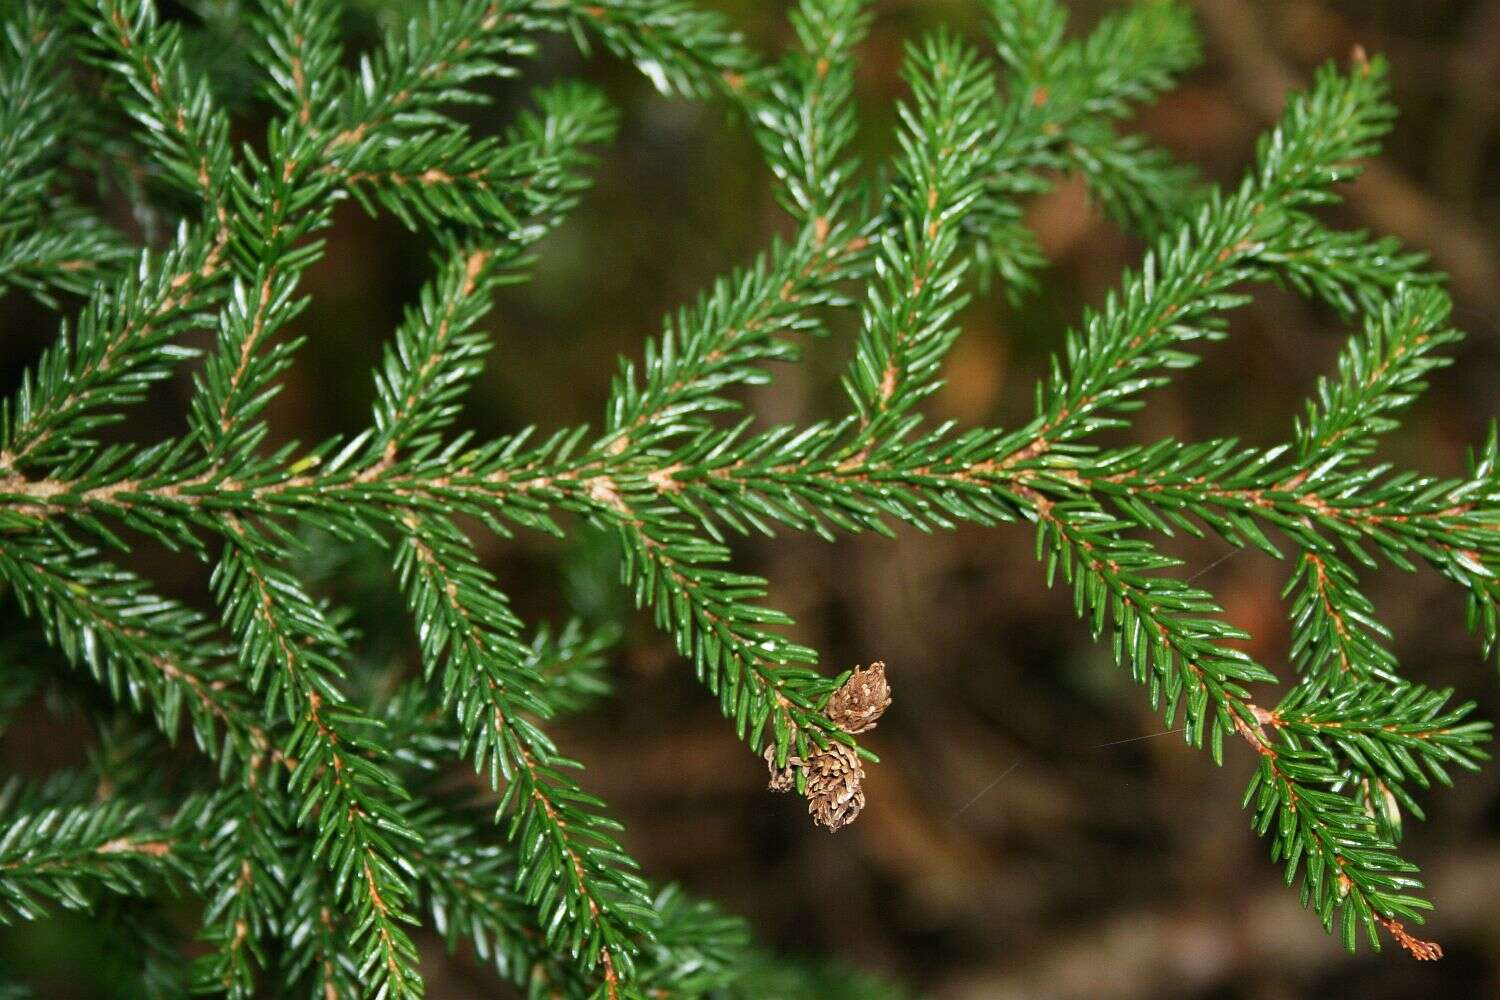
point(1030, 832)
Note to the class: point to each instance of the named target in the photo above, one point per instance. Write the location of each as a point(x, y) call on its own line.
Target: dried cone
point(782, 778)
point(863, 699)
point(835, 786)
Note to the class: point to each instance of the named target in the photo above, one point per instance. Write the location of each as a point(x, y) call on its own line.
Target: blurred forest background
point(1030, 832)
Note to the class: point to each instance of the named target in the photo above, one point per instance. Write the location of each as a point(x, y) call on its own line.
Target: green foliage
point(308, 829)
point(68, 856)
point(47, 240)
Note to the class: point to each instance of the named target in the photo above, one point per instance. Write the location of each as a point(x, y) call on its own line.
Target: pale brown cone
point(863, 699)
point(835, 786)
point(782, 778)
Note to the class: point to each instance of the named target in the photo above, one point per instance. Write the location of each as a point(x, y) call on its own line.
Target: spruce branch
point(805, 124)
point(437, 351)
point(1354, 272)
point(805, 127)
point(807, 118)
point(1445, 522)
point(300, 54)
point(1390, 735)
point(338, 776)
point(66, 856)
point(1166, 632)
point(571, 867)
point(30, 126)
point(419, 70)
point(154, 652)
point(47, 241)
point(122, 343)
point(1350, 873)
point(187, 133)
point(1333, 515)
point(1381, 371)
point(908, 319)
point(1062, 99)
point(1337, 634)
point(760, 676)
point(681, 48)
point(1187, 281)
point(245, 884)
point(318, 955)
point(285, 637)
point(719, 344)
point(311, 855)
point(1128, 58)
point(68, 255)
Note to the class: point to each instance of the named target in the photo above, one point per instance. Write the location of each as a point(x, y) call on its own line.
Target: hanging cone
point(782, 778)
point(835, 786)
point(863, 699)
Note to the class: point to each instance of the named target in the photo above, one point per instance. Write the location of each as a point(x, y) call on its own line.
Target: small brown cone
point(782, 778)
point(863, 699)
point(835, 786)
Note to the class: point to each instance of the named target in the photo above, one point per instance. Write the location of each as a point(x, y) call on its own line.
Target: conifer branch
point(338, 774)
point(123, 342)
point(1350, 873)
point(66, 856)
point(1186, 282)
point(1338, 635)
point(1403, 732)
point(1354, 272)
point(186, 132)
point(300, 54)
point(311, 856)
point(681, 48)
point(245, 883)
point(318, 956)
point(908, 326)
point(572, 869)
point(68, 255)
point(437, 353)
point(721, 343)
point(155, 652)
point(418, 70)
point(1381, 371)
point(1061, 100)
point(30, 124)
point(759, 676)
point(284, 636)
point(47, 241)
point(806, 125)
point(807, 118)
